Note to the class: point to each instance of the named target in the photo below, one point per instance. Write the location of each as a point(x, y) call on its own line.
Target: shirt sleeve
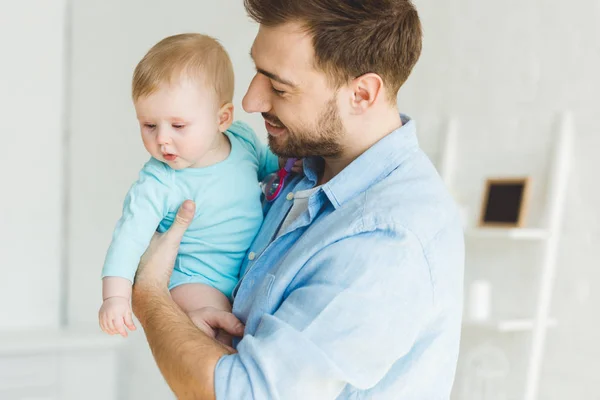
point(354, 310)
point(267, 161)
point(145, 205)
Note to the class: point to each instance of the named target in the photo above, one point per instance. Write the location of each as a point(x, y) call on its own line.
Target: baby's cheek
point(194, 147)
point(151, 147)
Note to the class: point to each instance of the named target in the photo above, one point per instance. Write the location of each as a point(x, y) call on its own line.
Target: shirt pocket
point(261, 302)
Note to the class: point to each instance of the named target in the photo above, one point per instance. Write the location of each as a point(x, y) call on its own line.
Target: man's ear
point(366, 90)
point(225, 117)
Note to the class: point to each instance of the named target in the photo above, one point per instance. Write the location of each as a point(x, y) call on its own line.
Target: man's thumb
point(183, 219)
point(229, 323)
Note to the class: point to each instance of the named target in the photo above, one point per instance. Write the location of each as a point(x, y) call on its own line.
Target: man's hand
point(156, 264)
point(218, 324)
point(186, 356)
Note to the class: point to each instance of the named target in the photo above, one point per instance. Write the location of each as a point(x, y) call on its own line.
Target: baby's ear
point(225, 117)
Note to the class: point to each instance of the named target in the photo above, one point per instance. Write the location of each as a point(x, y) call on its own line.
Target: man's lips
point(274, 129)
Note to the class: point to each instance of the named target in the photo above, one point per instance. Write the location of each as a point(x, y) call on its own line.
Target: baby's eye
point(150, 126)
point(178, 126)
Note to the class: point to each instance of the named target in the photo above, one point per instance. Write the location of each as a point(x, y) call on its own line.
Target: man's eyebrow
point(273, 76)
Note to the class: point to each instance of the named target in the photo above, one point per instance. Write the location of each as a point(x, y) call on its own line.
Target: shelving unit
point(549, 236)
point(58, 365)
point(56, 340)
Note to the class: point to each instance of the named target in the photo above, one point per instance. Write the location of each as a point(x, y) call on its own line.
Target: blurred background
point(503, 89)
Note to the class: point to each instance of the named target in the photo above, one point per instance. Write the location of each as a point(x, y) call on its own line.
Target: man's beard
point(322, 139)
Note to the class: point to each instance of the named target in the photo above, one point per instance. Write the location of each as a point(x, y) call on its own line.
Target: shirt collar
point(370, 167)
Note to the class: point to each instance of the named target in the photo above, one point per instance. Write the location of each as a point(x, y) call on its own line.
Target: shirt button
point(290, 196)
point(251, 256)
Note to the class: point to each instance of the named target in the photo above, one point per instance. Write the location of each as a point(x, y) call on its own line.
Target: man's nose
point(257, 98)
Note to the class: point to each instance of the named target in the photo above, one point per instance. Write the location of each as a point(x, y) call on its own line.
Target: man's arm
point(185, 355)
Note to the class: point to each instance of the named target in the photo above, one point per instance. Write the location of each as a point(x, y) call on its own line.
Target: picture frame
point(505, 202)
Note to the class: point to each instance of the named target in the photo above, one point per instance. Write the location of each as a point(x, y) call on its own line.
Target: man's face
point(298, 104)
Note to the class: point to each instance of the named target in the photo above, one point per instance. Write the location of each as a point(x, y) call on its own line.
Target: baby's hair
point(190, 55)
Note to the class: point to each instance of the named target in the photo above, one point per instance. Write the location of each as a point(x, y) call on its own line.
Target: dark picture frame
point(505, 202)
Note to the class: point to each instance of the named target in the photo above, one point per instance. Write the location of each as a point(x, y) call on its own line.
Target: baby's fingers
point(298, 166)
point(110, 326)
point(119, 326)
point(129, 321)
point(102, 323)
point(106, 324)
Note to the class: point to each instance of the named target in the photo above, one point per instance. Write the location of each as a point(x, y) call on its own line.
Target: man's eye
point(277, 92)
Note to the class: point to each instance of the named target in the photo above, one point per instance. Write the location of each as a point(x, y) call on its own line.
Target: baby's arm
point(267, 161)
point(144, 207)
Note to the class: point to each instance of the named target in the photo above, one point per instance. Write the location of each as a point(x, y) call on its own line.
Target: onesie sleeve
point(267, 161)
point(145, 205)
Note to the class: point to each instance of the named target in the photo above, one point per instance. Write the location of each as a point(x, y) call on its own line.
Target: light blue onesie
point(228, 214)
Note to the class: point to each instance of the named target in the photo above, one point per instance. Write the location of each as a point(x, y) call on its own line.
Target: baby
point(182, 91)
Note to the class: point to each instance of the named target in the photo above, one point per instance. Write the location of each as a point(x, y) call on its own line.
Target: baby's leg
point(194, 296)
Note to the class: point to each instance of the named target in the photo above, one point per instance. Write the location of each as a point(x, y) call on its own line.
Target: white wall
point(31, 110)
point(109, 38)
point(505, 70)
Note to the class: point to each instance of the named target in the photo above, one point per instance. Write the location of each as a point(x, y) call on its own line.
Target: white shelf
point(509, 233)
point(43, 341)
point(508, 325)
point(553, 214)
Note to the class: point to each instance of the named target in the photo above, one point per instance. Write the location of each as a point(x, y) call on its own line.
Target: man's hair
point(190, 55)
point(352, 37)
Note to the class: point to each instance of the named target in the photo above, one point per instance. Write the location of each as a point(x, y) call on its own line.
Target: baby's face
point(179, 124)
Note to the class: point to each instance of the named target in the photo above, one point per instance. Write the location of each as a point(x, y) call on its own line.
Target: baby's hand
point(298, 165)
point(114, 315)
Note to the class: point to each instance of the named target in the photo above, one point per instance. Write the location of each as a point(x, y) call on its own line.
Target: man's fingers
point(184, 217)
point(228, 322)
point(203, 326)
point(226, 340)
point(156, 264)
point(224, 337)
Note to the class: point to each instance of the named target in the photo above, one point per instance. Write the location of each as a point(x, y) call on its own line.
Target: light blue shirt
point(228, 213)
point(361, 296)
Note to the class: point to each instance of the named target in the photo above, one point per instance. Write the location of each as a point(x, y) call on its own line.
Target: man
point(353, 287)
